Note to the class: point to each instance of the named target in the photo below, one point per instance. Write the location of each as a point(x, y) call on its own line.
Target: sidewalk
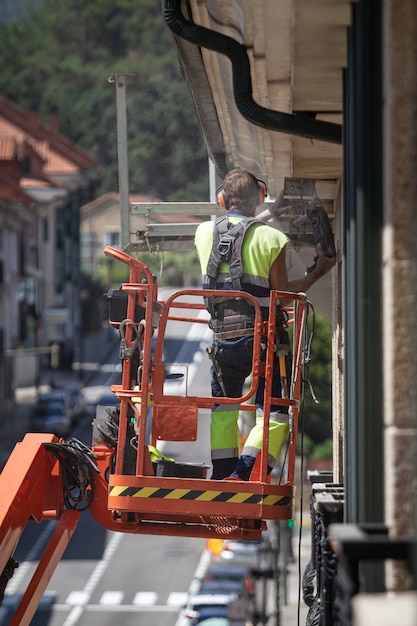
point(294, 611)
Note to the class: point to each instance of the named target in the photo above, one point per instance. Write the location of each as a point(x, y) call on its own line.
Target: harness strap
point(233, 334)
point(227, 248)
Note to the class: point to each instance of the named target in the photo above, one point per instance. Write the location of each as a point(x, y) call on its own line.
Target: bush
point(323, 450)
point(316, 416)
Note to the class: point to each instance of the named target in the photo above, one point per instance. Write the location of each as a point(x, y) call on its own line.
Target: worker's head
point(241, 191)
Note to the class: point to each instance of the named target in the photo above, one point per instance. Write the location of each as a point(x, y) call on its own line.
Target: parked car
point(225, 620)
point(51, 416)
point(56, 396)
point(223, 586)
point(240, 552)
point(218, 620)
point(204, 605)
point(231, 578)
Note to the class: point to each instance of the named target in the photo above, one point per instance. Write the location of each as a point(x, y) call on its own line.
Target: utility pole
point(120, 83)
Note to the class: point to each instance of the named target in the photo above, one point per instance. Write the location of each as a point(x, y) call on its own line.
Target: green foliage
point(323, 450)
point(173, 269)
point(318, 416)
point(59, 58)
point(180, 270)
point(111, 273)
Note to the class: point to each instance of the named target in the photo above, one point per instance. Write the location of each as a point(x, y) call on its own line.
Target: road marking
point(177, 598)
point(77, 598)
point(94, 579)
point(145, 598)
point(119, 608)
point(111, 598)
point(142, 598)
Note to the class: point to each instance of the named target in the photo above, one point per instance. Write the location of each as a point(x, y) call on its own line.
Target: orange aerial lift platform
point(127, 485)
point(173, 504)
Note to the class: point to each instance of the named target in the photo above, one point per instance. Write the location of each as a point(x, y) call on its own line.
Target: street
point(105, 576)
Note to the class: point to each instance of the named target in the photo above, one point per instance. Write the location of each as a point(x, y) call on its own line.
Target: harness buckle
point(225, 246)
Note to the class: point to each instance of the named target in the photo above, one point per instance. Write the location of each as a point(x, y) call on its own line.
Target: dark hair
point(241, 189)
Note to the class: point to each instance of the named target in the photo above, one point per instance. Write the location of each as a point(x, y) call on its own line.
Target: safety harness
point(230, 317)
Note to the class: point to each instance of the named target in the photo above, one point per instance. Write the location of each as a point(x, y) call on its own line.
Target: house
point(100, 226)
point(44, 179)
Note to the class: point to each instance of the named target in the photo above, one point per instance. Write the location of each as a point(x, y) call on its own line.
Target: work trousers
point(234, 358)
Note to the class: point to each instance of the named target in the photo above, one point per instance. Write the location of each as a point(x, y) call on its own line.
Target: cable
point(6, 575)
point(304, 378)
point(110, 430)
point(307, 353)
point(301, 414)
point(78, 472)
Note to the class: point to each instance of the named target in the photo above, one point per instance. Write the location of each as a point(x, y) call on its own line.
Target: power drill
point(322, 231)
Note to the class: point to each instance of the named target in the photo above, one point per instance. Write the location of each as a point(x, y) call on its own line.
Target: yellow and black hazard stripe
point(199, 495)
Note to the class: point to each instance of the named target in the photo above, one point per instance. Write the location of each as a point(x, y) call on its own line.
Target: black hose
point(301, 124)
point(78, 471)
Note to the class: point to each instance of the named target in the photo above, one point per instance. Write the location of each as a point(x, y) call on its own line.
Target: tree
point(59, 59)
point(172, 269)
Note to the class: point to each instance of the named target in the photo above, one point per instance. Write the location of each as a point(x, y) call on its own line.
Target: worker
point(241, 253)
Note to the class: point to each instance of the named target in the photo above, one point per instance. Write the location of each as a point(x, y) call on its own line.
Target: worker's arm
point(278, 277)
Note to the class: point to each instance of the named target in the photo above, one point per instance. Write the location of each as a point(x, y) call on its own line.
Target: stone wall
point(399, 268)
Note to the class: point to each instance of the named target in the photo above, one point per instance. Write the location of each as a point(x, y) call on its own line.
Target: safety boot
point(223, 467)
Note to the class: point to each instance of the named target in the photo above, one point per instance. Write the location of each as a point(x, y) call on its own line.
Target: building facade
point(44, 179)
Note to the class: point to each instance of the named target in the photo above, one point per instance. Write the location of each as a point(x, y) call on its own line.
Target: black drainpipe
point(301, 124)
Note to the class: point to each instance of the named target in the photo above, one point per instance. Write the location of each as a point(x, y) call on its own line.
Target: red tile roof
point(60, 155)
